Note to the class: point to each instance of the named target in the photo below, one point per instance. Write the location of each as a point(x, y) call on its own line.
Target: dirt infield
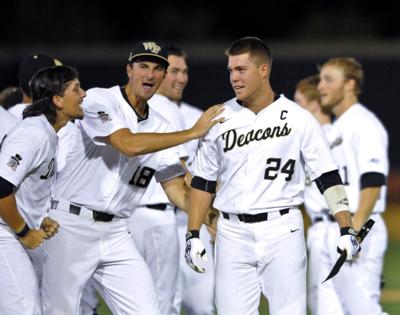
point(390, 296)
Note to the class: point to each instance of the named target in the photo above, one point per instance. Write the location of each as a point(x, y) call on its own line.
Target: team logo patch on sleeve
point(14, 162)
point(104, 117)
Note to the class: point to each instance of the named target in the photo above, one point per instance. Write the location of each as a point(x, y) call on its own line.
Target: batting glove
point(348, 242)
point(195, 253)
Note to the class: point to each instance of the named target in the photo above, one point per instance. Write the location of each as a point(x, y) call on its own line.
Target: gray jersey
point(258, 159)
point(27, 160)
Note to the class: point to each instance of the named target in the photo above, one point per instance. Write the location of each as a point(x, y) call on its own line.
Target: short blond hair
point(351, 68)
point(308, 87)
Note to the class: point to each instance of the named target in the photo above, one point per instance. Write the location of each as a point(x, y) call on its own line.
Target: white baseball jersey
point(27, 160)
point(360, 146)
point(258, 159)
point(7, 122)
point(162, 105)
point(17, 110)
point(314, 201)
point(191, 115)
point(101, 178)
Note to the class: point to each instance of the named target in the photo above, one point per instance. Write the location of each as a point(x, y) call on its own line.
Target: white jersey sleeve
point(27, 160)
point(20, 153)
point(102, 115)
point(315, 149)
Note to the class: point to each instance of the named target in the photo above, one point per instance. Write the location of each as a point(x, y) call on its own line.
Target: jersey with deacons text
point(99, 177)
point(359, 146)
point(258, 159)
point(27, 160)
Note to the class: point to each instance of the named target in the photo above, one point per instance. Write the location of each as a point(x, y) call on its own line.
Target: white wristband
point(336, 199)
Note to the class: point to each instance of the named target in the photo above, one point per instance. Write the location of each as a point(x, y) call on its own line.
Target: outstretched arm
point(134, 144)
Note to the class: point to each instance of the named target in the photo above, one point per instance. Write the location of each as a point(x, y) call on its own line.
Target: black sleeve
point(327, 180)
point(204, 184)
point(372, 179)
point(6, 188)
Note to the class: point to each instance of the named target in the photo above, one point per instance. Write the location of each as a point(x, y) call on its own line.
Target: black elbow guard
point(6, 188)
point(327, 180)
point(204, 184)
point(372, 179)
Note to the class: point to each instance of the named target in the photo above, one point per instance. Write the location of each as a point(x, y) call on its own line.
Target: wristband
point(25, 230)
point(192, 234)
point(347, 231)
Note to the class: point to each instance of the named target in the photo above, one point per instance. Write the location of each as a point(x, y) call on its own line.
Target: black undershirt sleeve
point(327, 180)
point(6, 188)
point(372, 179)
point(204, 184)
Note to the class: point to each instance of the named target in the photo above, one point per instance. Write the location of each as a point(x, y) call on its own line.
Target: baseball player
point(106, 172)
point(27, 173)
point(28, 68)
point(153, 224)
point(322, 299)
point(360, 149)
point(195, 299)
point(258, 157)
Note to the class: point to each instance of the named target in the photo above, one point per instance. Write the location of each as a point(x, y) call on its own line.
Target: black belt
point(158, 206)
point(97, 215)
point(328, 217)
point(253, 218)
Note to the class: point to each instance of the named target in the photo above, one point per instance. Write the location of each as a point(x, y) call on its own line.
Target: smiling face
point(145, 78)
point(70, 101)
point(176, 78)
point(246, 76)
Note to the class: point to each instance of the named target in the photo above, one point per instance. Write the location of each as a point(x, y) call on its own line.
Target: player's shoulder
point(99, 95)
point(191, 110)
point(33, 131)
point(163, 105)
point(155, 122)
point(362, 118)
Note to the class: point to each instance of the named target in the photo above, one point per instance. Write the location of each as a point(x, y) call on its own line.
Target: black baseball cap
point(149, 51)
point(30, 65)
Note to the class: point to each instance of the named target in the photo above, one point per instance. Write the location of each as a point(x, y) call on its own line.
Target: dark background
point(96, 37)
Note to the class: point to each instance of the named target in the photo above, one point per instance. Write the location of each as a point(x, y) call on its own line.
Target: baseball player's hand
point(33, 239)
point(348, 242)
point(195, 253)
point(49, 226)
point(207, 120)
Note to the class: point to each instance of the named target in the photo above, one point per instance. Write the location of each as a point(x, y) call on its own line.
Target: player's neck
point(259, 102)
point(138, 105)
point(344, 105)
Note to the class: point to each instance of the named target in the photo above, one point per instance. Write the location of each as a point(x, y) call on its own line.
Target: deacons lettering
point(232, 139)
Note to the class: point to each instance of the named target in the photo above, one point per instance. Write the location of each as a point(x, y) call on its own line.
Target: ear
point(58, 101)
point(129, 69)
point(264, 70)
point(350, 85)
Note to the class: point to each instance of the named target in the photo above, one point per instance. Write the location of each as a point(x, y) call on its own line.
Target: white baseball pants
point(268, 257)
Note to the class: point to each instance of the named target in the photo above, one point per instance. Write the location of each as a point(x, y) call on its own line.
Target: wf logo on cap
point(152, 46)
